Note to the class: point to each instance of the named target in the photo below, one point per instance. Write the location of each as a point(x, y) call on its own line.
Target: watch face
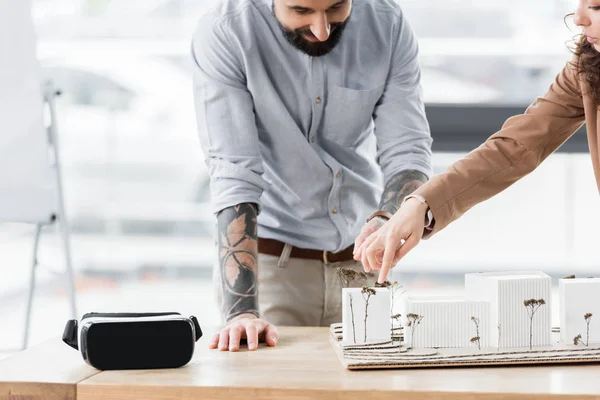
point(139, 345)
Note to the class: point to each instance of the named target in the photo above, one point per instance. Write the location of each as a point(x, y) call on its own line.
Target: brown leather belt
point(275, 247)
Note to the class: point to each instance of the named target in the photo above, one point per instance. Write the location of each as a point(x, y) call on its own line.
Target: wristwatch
point(380, 213)
point(429, 215)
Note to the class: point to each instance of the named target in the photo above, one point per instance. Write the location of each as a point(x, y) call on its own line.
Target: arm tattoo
point(238, 247)
point(398, 187)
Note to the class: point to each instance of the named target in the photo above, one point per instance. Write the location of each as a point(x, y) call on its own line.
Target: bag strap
point(196, 327)
point(70, 334)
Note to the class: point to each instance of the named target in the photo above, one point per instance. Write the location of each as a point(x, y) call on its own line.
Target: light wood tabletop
point(48, 371)
point(302, 366)
point(305, 366)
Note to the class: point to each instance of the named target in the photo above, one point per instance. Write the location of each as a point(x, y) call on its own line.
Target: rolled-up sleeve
point(401, 127)
point(225, 117)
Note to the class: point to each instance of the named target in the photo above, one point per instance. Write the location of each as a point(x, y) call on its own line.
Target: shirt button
point(338, 175)
point(334, 211)
point(312, 139)
point(318, 100)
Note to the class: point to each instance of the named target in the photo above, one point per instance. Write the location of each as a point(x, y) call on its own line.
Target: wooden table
point(48, 371)
point(302, 366)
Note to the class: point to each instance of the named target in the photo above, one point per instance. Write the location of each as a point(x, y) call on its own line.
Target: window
point(137, 190)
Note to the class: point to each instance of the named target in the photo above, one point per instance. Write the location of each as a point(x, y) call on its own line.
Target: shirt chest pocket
point(348, 113)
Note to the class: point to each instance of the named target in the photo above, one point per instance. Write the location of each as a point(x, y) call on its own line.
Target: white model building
point(447, 321)
point(506, 292)
point(578, 297)
point(362, 323)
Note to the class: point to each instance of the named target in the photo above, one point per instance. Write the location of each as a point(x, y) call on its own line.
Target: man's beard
point(313, 49)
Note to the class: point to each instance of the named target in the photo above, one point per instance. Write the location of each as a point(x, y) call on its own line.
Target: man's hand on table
point(245, 326)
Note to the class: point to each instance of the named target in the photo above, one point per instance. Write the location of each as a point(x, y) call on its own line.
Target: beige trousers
point(298, 292)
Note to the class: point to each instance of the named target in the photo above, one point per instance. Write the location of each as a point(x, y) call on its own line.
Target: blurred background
point(136, 188)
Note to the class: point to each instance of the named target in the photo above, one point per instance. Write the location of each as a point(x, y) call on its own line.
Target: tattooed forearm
point(399, 186)
point(238, 246)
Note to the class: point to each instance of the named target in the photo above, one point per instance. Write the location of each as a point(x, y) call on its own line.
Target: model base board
point(390, 355)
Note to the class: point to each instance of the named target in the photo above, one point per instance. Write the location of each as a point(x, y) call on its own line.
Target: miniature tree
point(477, 338)
point(532, 306)
point(396, 317)
point(352, 314)
point(367, 292)
point(413, 321)
point(588, 319)
point(349, 276)
point(499, 325)
point(393, 287)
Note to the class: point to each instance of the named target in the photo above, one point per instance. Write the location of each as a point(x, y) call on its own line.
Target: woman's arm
point(517, 149)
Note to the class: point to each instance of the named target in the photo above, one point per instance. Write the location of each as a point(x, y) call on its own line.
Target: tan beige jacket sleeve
point(517, 149)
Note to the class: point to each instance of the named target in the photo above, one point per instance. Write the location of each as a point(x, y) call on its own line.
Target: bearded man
point(312, 122)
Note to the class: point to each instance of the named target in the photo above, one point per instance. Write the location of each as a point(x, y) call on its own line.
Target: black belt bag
point(110, 341)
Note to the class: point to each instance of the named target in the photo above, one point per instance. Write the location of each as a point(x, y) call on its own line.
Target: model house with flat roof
point(579, 310)
point(520, 313)
point(447, 321)
point(366, 315)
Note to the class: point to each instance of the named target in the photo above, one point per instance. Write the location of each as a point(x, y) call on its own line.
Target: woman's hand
point(386, 246)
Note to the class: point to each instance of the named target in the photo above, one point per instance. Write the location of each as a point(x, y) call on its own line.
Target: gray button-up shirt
point(309, 139)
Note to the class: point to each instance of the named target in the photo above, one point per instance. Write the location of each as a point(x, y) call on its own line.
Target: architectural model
point(504, 318)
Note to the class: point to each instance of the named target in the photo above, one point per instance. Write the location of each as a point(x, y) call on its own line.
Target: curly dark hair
point(587, 64)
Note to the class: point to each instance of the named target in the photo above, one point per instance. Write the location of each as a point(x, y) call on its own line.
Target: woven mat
point(390, 355)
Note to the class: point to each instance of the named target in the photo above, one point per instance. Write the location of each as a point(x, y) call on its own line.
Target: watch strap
point(380, 213)
point(428, 215)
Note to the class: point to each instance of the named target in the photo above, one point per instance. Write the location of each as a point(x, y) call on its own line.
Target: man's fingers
point(364, 253)
point(235, 336)
point(374, 253)
point(364, 260)
point(358, 251)
point(224, 339)
point(365, 232)
point(214, 341)
point(359, 241)
point(271, 335)
point(252, 336)
point(254, 330)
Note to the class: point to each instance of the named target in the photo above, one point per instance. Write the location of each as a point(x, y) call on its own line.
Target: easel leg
point(34, 264)
point(64, 232)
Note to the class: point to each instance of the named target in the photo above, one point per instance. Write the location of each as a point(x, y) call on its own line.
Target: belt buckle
point(325, 259)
